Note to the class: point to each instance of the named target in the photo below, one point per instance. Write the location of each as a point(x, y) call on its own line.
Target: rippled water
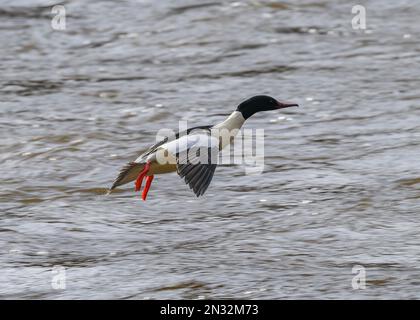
point(341, 185)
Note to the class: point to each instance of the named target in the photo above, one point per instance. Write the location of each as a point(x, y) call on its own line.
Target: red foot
point(147, 187)
point(141, 176)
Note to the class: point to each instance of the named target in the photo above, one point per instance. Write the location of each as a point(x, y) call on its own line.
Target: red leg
point(147, 187)
point(141, 176)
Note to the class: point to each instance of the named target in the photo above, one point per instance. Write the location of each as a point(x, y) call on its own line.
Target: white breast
point(234, 121)
point(229, 128)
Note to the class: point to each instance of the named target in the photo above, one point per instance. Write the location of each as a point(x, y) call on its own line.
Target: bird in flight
point(193, 153)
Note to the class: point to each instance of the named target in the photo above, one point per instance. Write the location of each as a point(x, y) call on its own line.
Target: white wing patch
point(186, 143)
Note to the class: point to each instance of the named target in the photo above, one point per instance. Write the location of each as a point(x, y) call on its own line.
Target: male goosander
point(181, 153)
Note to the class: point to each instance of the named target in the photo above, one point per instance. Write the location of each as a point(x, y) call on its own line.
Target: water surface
point(341, 185)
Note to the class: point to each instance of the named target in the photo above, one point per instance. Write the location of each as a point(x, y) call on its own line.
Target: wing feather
point(198, 175)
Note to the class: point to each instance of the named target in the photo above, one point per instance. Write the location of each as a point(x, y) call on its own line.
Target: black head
point(262, 103)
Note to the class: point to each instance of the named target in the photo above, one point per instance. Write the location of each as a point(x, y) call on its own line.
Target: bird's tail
point(127, 174)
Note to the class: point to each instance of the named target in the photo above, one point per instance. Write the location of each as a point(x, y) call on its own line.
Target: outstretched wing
point(198, 177)
point(197, 160)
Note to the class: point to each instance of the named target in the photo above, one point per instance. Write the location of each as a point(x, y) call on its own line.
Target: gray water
point(341, 185)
